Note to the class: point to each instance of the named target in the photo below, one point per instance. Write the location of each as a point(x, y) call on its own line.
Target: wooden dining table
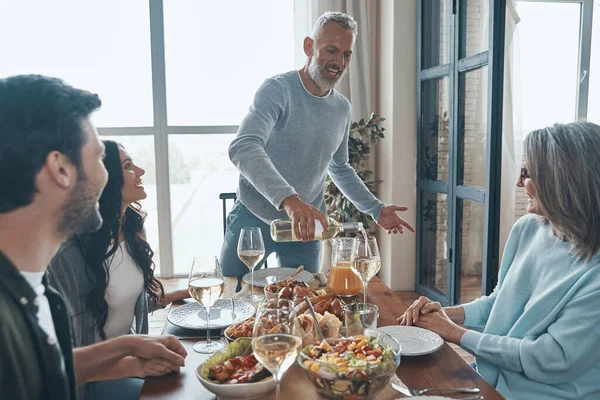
point(441, 369)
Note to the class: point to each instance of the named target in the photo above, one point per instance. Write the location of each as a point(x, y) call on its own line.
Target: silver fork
point(402, 388)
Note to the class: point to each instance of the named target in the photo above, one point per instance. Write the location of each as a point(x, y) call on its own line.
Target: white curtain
point(512, 131)
point(359, 84)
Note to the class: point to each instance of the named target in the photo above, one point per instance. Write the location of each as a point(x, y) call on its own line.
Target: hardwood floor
point(471, 289)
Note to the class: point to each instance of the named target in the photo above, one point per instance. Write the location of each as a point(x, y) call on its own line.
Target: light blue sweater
point(542, 322)
point(287, 144)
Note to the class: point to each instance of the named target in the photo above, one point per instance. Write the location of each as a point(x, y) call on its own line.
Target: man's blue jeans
point(289, 254)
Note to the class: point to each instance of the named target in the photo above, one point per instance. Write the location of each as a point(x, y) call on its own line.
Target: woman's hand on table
point(420, 307)
point(440, 323)
point(430, 315)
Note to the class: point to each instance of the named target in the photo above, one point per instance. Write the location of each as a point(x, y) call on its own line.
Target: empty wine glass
point(206, 286)
point(251, 250)
point(276, 337)
point(366, 261)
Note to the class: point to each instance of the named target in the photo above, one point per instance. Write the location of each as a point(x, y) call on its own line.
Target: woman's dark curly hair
point(100, 246)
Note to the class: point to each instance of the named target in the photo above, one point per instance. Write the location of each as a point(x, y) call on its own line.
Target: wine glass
point(366, 261)
point(251, 250)
point(206, 286)
point(276, 339)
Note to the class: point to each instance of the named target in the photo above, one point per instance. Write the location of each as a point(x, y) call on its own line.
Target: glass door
point(460, 110)
point(433, 157)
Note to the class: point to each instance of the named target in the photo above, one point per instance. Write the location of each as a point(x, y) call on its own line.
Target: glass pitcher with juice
point(342, 280)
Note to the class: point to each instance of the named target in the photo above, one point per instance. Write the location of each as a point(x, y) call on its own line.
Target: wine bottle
point(282, 230)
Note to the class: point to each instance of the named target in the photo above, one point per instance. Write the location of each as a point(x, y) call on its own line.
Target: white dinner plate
point(266, 276)
point(414, 341)
point(193, 316)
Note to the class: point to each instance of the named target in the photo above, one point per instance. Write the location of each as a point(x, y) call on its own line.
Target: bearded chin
point(316, 73)
point(79, 212)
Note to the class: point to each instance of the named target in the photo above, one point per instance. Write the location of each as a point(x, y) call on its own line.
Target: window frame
point(585, 49)
point(457, 193)
point(160, 131)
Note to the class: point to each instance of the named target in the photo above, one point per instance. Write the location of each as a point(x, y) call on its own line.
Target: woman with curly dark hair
point(107, 277)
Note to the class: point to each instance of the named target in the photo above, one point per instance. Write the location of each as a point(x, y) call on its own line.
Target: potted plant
point(363, 135)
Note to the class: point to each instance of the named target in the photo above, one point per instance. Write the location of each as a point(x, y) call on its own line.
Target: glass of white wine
point(251, 250)
point(206, 286)
point(276, 339)
point(366, 261)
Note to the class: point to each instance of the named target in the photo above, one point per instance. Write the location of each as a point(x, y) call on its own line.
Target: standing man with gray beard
point(295, 133)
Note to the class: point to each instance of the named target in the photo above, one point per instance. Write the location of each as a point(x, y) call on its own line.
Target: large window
point(102, 46)
point(457, 180)
point(549, 62)
point(556, 79)
point(176, 78)
point(217, 53)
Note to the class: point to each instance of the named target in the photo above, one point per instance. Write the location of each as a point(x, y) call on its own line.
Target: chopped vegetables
point(352, 368)
point(350, 354)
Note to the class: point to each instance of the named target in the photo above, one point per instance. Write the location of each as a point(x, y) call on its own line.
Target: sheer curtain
point(359, 84)
point(512, 130)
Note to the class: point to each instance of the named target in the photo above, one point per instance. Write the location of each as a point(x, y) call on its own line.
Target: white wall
point(396, 155)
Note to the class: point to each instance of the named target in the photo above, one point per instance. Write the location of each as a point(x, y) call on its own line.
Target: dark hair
point(38, 115)
point(100, 246)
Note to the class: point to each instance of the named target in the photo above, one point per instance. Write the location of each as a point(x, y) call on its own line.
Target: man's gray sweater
point(286, 145)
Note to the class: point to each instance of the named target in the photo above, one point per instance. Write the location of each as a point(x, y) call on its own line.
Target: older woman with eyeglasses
point(541, 325)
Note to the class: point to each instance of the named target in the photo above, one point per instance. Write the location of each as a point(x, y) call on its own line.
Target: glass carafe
point(341, 279)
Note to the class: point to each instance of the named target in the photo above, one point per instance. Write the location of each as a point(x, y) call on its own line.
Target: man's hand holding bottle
point(303, 217)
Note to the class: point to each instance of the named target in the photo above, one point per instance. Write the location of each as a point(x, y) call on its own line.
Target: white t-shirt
point(125, 284)
point(44, 315)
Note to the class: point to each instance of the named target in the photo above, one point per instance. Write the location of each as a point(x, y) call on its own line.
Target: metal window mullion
point(195, 130)
point(456, 40)
point(161, 140)
point(127, 131)
point(491, 240)
point(585, 48)
point(470, 193)
point(433, 186)
point(436, 72)
point(419, 145)
point(473, 62)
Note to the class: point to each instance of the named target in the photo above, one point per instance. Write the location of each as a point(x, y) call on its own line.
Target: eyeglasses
point(524, 173)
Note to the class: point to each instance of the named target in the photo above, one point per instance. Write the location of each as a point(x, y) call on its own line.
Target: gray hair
point(345, 20)
point(564, 165)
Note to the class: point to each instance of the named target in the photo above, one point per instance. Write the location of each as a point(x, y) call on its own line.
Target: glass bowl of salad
point(356, 367)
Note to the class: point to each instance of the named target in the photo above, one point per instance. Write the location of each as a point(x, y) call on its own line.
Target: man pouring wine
point(295, 133)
